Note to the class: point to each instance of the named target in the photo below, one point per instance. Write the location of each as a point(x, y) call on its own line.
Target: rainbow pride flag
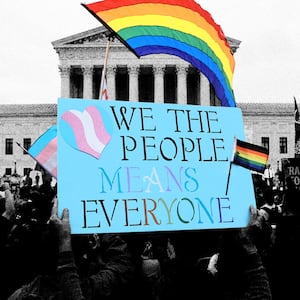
point(176, 27)
point(250, 156)
point(44, 150)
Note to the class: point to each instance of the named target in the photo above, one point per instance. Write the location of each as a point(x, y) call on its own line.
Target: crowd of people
point(41, 259)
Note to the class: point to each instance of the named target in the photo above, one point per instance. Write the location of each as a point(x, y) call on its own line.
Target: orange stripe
point(252, 152)
point(168, 10)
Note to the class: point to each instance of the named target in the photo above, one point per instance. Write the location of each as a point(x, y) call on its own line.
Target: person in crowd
point(178, 264)
point(83, 266)
point(268, 175)
point(8, 212)
point(46, 187)
point(286, 258)
point(236, 269)
point(240, 271)
point(26, 186)
point(259, 187)
point(50, 262)
point(19, 243)
point(270, 210)
point(27, 180)
point(290, 201)
point(9, 206)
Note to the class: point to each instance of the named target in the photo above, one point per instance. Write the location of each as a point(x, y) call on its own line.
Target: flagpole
point(229, 172)
point(228, 178)
point(28, 153)
point(296, 112)
point(104, 67)
point(23, 148)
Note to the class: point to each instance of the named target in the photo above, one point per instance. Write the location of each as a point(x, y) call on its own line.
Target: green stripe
point(250, 164)
point(134, 31)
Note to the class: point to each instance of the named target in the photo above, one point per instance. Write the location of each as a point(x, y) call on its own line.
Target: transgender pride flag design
point(89, 133)
point(44, 150)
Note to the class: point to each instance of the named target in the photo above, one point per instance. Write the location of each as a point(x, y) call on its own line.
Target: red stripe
point(190, 4)
point(104, 94)
point(247, 150)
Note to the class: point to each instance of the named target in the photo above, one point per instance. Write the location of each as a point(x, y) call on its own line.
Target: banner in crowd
point(291, 168)
point(138, 167)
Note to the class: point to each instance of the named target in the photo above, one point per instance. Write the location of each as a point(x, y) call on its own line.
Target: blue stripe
point(150, 40)
point(43, 141)
point(248, 164)
point(209, 69)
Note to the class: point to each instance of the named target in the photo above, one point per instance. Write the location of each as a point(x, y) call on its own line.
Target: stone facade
point(154, 78)
point(19, 122)
point(274, 121)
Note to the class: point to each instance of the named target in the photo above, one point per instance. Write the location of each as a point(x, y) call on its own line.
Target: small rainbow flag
point(44, 150)
point(176, 27)
point(250, 156)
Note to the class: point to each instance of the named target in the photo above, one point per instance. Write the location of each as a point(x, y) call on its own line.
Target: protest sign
point(136, 167)
point(291, 168)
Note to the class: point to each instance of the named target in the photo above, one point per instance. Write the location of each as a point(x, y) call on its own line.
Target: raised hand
point(61, 227)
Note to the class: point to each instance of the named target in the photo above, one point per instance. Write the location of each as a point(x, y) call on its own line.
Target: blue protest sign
point(137, 167)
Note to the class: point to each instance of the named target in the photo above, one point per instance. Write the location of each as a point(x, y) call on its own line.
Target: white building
point(154, 78)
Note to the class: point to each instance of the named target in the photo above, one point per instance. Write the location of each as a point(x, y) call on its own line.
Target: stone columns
point(65, 81)
point(158, 84)
point(204, 90)
point(181, 84)
point(111, 82)
point(87, 81)
point(133, 83)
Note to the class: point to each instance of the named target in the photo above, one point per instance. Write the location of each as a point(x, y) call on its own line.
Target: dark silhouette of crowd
point(41, 259)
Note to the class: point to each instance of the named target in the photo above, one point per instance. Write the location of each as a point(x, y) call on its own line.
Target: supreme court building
point(153, 78)
point(156, 78)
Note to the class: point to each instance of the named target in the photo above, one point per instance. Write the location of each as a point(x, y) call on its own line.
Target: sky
point(267, 66)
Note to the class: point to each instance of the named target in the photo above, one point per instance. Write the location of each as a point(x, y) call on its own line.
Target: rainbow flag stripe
point(250, 156)
point(176, 27)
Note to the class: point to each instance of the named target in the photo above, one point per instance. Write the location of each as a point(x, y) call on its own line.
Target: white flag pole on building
point(103, 76)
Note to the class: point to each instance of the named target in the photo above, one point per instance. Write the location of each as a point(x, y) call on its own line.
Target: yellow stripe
point(253, 157)
point(171, 10)
point(177, 24)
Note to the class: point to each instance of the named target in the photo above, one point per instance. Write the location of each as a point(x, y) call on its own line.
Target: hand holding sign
point(61, 227)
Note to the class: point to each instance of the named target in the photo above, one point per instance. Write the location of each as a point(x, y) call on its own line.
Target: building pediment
point(98, 36)
point(90, 37)
point(233, 43)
